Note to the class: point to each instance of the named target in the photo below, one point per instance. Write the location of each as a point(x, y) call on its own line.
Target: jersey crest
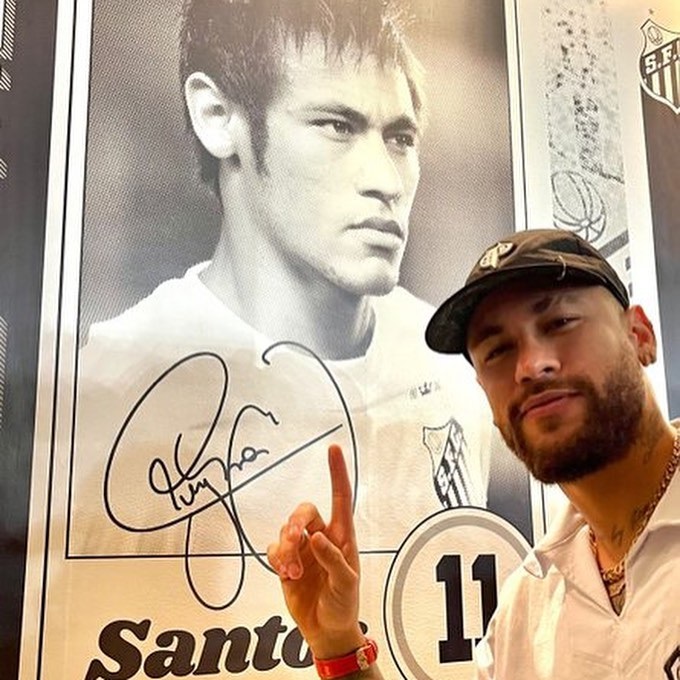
point(449, 457)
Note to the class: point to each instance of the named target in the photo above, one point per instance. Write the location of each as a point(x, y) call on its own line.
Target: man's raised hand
point(318, 565)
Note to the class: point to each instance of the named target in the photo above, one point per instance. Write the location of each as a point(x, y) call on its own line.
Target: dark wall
point(662, 132)
point(27, 63)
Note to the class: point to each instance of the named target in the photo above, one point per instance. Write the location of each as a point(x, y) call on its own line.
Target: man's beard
point(610, 426)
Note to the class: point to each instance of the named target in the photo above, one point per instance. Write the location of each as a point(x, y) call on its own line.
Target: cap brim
point(447, 330)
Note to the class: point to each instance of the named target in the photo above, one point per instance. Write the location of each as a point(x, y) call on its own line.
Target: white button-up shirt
point(554, 620)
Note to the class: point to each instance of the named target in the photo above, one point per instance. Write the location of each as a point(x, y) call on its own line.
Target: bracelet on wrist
point(358, 660)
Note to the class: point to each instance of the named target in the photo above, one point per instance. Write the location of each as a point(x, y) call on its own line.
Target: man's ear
point(213, 117)
point(642, 334)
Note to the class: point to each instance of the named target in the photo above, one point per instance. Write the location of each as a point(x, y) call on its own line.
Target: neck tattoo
point(614, 578)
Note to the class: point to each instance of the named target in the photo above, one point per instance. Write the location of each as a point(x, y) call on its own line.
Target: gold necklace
point(614, 577)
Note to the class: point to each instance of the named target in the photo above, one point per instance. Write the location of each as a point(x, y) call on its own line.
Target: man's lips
point(545, 401)
point(382, 226)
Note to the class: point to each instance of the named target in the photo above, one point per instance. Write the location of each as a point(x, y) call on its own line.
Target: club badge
point(660, 64)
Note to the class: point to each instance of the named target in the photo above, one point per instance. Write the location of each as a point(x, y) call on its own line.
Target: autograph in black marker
point(191, 489)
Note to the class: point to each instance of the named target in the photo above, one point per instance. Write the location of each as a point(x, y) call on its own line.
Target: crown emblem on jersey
point(493, 255)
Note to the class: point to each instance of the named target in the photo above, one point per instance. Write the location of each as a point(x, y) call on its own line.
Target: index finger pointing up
point(341, 511)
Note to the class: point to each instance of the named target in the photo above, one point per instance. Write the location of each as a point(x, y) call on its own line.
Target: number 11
point(457, 647)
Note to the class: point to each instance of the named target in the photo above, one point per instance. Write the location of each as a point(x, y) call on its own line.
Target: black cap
point(553, 254)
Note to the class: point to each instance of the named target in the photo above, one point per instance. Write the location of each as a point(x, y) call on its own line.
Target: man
point(215, 396)
point(559, 352)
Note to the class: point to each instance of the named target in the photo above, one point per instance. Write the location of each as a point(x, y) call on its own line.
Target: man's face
point(341, 170)
point(561, 375)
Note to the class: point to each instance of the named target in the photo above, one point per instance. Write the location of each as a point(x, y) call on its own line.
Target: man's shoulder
point(401, 320)
point(401, 314)
point(174, 320)
point(400, 299)
point(166, 307)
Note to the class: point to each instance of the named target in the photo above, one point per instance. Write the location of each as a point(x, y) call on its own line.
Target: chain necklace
point(614, 578)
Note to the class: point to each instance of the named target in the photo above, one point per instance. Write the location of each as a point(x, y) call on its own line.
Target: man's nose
point(379, 175)
point(536, 360)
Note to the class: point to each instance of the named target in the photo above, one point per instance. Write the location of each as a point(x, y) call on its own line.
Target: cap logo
point(493, 255)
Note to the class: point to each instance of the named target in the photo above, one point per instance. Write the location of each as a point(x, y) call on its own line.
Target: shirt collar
point(566, 524)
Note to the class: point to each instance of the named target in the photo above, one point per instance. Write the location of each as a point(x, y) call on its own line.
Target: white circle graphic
point(442, 588)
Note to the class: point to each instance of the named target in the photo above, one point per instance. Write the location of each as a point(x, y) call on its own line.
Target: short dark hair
point(238, 43)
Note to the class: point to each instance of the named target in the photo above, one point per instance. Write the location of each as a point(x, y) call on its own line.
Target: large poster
point(216, 336)
point(253, 208)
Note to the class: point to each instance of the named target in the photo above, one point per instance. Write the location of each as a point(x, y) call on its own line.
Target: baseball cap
point(551, 254)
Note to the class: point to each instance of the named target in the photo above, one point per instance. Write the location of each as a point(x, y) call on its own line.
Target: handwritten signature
point(185, 483)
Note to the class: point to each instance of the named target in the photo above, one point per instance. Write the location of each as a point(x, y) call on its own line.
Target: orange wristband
point(359, 660)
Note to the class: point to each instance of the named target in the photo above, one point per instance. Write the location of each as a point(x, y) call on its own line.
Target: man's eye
point(403, 140)
point(560, 322)
point(335, 127)
point(496, 352)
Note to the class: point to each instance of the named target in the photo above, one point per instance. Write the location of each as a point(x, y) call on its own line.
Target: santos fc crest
point(449, 455)
point(660, 64)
